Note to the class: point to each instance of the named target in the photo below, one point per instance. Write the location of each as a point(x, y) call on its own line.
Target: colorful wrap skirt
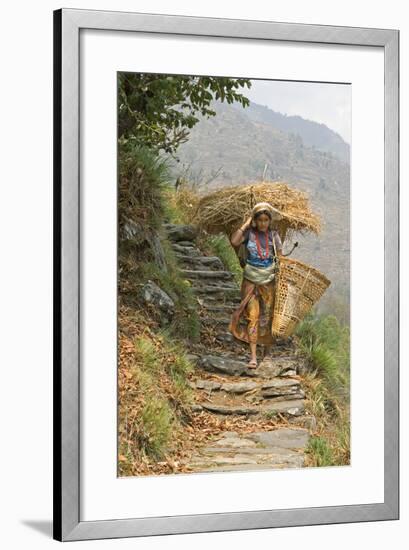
point(252, 321)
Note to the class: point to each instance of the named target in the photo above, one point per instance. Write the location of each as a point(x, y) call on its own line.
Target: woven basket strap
point(274, 243)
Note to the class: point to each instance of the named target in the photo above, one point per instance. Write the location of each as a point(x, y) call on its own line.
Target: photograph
point(214, 341)
point(233, 274)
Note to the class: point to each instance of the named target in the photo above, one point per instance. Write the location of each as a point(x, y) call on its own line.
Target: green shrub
point(321, 452)
point(179, 368)
point(160, 360)
point(326, 343)
point(155, 427)
point(165, 356)
point(147, 350)
point(143, 176)
point(324, 361)
point(219, 245)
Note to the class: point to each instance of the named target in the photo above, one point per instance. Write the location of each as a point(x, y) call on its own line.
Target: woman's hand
point(237, 237)
point(246, 223)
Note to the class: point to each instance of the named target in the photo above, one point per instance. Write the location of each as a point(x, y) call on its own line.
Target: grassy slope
point(154, 394)
point(325, 342)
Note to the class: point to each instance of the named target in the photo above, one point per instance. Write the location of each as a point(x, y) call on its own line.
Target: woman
point(263, 246)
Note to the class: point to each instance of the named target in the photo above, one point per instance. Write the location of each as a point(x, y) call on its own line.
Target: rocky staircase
point(225, 385)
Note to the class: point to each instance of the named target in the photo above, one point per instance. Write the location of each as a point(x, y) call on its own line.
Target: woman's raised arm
point(238, 236)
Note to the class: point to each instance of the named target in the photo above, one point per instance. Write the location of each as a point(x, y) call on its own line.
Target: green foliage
point(155, 427)
point(319, 448)
point(143, 197)
point(159, 419)
point(143, 176)
point(325, 361)
point(343, 437)
point(151, 361)
point(219, 245)
point(270, 414)
point(181, 201)
point(180, 367)
point(159, 109)
point(326, 342)
point(173, 214)
point(168, 358)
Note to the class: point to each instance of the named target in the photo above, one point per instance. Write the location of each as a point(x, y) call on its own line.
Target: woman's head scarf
point(268, 209)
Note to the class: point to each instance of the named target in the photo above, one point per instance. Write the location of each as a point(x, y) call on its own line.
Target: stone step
point(307, 421)
point(273, 388)
point(211, 261)
point(225, 337)
point(187, 250)
point(222, 308)
point(204, 466)
point(207, 274)
point(186, 244)
point(215, 321)
point(291, 407)
point(233, 387)
point(236, 355)
point(280, 366)
point(214, 285)
point(222, 364)
point(231, 291)
point(274, 449)
point(180, 232)
point(211, 300)
point(255, 394)
point(267, 368)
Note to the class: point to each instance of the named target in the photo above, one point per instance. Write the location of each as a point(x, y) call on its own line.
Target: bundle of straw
point(225, 210)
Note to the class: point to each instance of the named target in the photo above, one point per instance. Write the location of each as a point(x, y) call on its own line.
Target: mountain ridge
point(313, 134)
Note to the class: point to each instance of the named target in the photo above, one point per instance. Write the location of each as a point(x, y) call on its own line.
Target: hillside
point(239, 145)
point(312, 133)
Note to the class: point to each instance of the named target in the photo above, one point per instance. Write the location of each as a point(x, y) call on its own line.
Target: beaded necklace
point(260, 252)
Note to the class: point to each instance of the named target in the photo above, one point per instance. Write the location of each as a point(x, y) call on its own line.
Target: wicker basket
point(299, 287)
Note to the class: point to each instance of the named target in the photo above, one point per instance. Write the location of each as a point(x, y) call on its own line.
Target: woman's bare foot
point(252, 363)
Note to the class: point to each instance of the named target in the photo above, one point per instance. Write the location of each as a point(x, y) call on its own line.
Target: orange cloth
point(256, 307)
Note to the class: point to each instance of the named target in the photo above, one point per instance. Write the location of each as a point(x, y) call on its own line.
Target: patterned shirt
point(252, 251)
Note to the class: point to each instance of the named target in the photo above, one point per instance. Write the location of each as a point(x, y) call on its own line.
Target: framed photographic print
point(226, 247)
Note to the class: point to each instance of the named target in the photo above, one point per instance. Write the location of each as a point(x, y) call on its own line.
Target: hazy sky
point(326, 103)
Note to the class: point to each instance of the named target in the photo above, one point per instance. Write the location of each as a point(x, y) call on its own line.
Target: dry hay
point(186, 200)
point(225, 210)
